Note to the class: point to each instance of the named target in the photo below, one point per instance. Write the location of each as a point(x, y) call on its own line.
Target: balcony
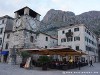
point(69, 34)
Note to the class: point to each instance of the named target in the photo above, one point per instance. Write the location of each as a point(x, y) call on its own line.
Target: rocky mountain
point(55, 19)
point(57, 15)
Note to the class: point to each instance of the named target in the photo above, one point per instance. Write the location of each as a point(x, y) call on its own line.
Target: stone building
point(45, 40)
point(25, 33)
point(6, 24)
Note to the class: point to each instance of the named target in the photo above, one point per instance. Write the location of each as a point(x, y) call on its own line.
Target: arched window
point(46, 38)
point(31, 39)
point(6, 47)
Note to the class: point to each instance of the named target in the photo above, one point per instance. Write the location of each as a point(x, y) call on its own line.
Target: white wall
point(41, 41)
point(82, 43)
point(73, 43)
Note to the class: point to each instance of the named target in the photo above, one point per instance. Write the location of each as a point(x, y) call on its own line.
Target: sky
point(7, 7)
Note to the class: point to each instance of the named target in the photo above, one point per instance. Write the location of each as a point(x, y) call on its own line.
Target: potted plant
point(44, 61)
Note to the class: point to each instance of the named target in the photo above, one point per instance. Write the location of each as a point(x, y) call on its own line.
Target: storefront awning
point(4, 52)
point(55, 51)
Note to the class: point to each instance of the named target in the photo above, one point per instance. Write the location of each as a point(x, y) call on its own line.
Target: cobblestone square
point(7, 69)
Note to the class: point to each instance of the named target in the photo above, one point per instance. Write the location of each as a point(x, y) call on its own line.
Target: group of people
point(79, 64)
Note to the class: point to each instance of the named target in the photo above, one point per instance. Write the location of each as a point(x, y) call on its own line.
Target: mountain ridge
point(55, 19)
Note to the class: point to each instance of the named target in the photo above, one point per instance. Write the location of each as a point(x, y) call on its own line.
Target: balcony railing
point(69, 34)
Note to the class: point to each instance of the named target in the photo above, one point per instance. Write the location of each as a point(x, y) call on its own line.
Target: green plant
point(44, 59)
point(25, 54)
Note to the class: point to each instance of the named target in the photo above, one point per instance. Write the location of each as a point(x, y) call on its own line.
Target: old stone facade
point(24, 27)
point(24, 32)
point(6, 24)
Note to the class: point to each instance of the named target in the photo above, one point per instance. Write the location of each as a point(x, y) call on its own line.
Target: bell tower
point(27, 11)
point(26, 25)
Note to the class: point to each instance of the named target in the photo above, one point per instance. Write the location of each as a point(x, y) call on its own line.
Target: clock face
point(18, 23)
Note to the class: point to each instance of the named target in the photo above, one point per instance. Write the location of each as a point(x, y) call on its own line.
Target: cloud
point(56, 1)
point(42, 6)
point(64, 7)
point(42, 10)
point(9, 6)
point(59, 2)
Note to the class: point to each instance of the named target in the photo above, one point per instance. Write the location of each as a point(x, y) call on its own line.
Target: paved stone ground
point(7, 69)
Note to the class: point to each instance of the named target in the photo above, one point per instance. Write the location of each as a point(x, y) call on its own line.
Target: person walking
point(91, 63)
point(79, 64)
